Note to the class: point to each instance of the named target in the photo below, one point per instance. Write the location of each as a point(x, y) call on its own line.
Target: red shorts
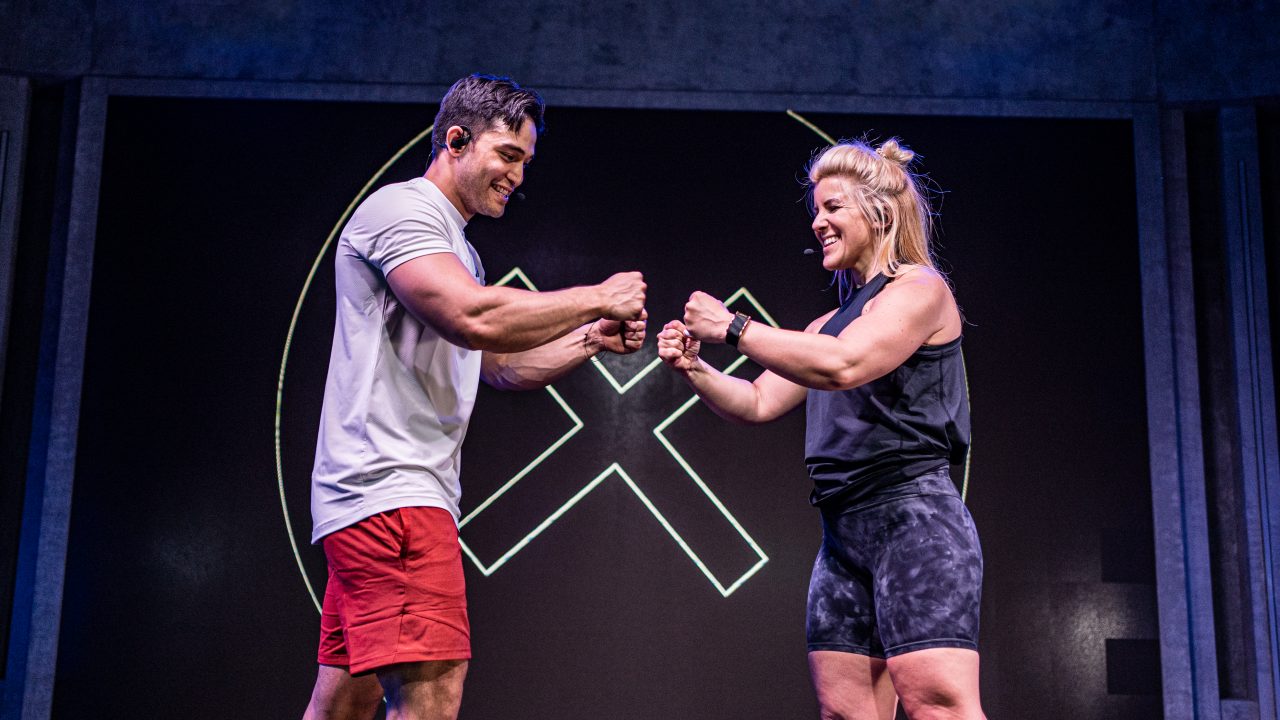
point(396, 592)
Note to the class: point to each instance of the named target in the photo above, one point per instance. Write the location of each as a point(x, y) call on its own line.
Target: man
point(416, 329)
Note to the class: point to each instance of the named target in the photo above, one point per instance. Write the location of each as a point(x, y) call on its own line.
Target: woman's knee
point(937, 683)
point(934, 702)
point(849, 711)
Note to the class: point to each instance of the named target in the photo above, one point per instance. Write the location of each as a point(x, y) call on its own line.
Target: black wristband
point(736, 325)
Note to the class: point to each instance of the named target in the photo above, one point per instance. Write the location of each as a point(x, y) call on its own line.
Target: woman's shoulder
point(929, 293)
point(917, 273)
point(920, 279)
point(918, 286)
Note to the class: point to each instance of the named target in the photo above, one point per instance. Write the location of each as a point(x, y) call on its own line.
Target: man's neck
point(442, 177)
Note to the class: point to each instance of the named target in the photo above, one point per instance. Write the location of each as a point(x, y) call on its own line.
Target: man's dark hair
point(479, 102)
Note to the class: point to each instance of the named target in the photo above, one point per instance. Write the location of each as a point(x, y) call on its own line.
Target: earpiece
point(461, 141)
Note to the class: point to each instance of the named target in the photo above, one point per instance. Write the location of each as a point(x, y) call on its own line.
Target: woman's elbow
point(844, 377)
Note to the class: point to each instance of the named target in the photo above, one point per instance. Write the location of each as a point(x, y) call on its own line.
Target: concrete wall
point(1112, 50)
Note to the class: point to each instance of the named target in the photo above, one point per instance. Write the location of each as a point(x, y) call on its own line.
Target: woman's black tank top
point(890, 430)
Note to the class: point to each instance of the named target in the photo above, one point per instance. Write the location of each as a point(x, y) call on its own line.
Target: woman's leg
point(851, 686)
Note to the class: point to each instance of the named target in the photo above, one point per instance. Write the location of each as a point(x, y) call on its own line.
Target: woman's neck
point(863, 270)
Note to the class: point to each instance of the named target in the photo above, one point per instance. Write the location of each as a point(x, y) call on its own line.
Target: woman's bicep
point(776, 396)
point(888, 333)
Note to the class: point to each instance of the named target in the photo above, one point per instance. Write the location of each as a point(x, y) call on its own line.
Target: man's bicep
point(439, 290)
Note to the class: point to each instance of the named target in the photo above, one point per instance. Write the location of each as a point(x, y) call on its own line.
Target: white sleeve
point(405, 240)
point(390, 229)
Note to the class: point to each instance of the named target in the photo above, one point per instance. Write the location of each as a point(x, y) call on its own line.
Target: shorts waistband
point(934, 482)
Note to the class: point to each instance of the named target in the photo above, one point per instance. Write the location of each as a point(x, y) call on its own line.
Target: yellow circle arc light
point(306, 288)
point(293, 324)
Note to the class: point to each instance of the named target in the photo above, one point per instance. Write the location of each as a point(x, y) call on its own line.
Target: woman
point(893, 599)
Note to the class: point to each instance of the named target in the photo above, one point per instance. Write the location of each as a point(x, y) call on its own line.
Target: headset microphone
point(461, 141)
point(810, 251)
point(518, 196)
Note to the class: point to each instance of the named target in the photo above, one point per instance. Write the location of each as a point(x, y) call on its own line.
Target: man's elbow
point(498, 381)
point(475, 334)
point(506, 378)
point(461, 329)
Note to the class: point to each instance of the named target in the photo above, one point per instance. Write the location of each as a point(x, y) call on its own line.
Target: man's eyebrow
point(513, 149)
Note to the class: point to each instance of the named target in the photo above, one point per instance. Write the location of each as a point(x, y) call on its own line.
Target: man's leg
point(851, 686)
point(339, 696)
point(399, 609)
point(938, 683)
point(429, 690)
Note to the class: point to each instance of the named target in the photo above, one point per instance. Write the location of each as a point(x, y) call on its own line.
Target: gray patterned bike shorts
point(898, 573)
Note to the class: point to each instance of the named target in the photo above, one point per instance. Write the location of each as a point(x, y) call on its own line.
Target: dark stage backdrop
point(182, 594)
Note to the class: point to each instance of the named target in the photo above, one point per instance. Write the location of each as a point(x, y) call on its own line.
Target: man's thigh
point(340, 696)
point(429, 690)
point(398, 591)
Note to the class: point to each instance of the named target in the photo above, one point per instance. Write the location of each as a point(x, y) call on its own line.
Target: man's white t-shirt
point(398, 396)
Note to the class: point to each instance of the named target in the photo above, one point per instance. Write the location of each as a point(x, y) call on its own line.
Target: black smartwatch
point(736, 326)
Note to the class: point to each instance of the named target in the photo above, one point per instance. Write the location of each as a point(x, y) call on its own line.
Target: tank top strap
point(852, 307)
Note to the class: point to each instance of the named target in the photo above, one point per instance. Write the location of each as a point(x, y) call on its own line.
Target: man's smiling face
point(493, 167)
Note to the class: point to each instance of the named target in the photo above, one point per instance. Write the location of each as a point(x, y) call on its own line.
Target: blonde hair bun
point(891, 150)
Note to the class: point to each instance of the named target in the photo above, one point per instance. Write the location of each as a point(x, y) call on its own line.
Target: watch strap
point(736, 326)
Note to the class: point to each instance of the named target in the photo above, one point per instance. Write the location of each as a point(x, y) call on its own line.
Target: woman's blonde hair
point(889, 196)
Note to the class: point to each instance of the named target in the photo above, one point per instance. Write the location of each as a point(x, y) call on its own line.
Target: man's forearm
point(542, 365)
point(506, 320)
point(442, 293)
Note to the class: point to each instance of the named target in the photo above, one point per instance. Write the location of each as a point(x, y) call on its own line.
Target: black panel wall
point(23, 343)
